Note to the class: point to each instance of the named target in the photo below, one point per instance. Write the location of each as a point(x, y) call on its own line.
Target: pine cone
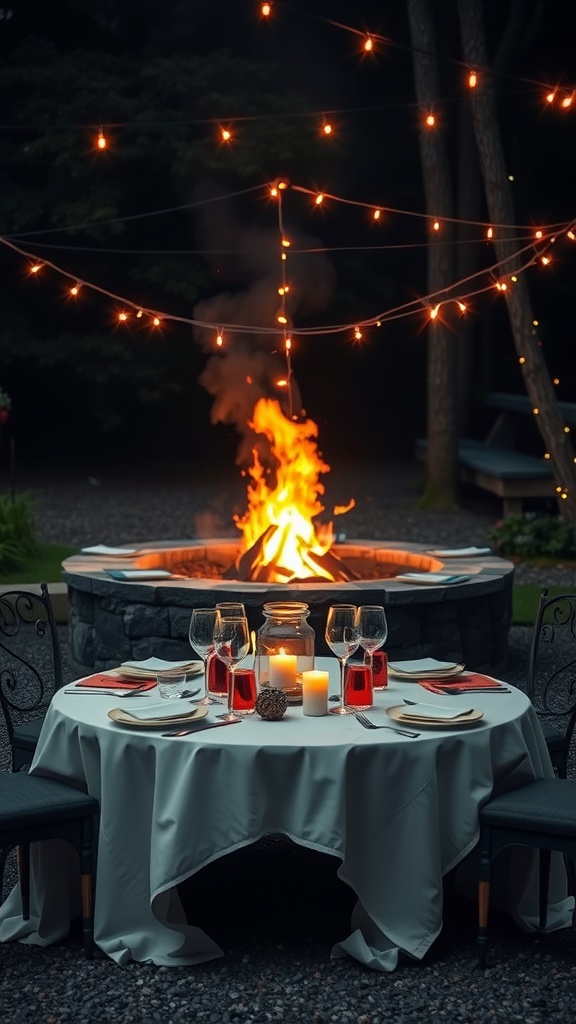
point(271, 703)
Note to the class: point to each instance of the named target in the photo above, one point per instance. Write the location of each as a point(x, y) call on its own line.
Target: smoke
point(248, 366)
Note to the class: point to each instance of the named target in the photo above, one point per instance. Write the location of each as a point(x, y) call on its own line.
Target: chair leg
point(483, 905)
point(24, 876)
point(86, 881)
point(544, 878)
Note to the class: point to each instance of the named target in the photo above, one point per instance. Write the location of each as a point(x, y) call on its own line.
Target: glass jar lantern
point(284, 647)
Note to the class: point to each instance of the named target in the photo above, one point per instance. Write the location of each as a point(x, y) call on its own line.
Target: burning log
point(257, 565)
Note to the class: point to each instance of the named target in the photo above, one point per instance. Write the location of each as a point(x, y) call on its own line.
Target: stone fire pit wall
point(113, 621)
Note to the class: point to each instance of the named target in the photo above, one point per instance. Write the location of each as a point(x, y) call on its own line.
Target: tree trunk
point(501, 210)
point(442, 477)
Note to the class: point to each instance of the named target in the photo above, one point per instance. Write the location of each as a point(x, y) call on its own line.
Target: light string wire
point(520, 260)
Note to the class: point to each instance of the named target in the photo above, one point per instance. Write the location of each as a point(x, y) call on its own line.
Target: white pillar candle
point(315, 692)
point(283, 671)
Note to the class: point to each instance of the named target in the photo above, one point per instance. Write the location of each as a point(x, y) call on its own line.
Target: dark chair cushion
point(545, 806)
point(24, 797)
point(26, 735)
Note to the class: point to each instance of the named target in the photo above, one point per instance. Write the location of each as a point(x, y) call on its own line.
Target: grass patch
point(525, 598)
point(45, 565)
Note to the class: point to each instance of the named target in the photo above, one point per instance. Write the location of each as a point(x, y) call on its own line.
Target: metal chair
point(551, 683)
point(541, 815)
point(30, 667)
point(33, 808)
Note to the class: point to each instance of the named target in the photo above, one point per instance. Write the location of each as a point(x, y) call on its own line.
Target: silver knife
point(200, 728)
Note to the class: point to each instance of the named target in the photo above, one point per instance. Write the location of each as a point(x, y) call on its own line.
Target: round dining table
point(398, 813)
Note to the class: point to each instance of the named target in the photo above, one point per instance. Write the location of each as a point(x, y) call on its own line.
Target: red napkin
point(472, 682)
point(114, 683)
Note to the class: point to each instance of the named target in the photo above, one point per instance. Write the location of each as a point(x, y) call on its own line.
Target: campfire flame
point(282, 543)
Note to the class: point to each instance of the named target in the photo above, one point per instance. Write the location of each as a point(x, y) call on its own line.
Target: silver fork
point(370, 725)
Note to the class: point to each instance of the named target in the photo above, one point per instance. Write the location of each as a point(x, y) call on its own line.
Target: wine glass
point(343, 638)
point(201, 635)
point(232, 643)
point(373, 629)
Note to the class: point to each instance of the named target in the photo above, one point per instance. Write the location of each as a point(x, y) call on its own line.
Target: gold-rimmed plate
point(123, 717)
point(399, 714)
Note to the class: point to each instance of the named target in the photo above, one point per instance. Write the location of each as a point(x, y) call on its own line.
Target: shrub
point(17, 531)
point(529, 535)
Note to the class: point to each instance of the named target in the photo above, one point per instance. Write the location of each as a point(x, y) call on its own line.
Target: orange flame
point(287, 498)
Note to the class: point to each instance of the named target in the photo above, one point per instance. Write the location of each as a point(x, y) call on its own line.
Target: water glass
point(358, 692)
point(171, 684)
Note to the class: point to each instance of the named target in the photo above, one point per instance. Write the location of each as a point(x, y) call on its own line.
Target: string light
point(327, 128)
point(35, 268)
point(429, 120)
point(436, 225)
point(219, 339)
point(75, 289)
point(376, 214)
point(319, 199)
point(368, 44)
point(434, 311)
point(101, 141)
point(472, 79)
point(225, 134)
point(266, 10)
point(490, 233)
point(122, 317)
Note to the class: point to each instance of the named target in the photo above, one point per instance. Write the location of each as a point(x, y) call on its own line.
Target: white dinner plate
point(156, 667)
point(103, 549)
point(400, 714)
point(459, 552)
point(424, 668)
point(140, 574)
point(170, 717)
point(429, 579)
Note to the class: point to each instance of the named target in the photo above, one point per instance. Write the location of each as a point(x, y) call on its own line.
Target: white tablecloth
point(399, 813)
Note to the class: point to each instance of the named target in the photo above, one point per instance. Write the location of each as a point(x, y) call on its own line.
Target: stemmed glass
point(373, 629)
point(232, 643)
point(201, 635)
point(343, 638)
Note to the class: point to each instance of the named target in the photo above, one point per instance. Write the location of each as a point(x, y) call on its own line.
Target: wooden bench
point(495, 465)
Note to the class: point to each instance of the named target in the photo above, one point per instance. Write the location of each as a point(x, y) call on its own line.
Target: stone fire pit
point(115, 620)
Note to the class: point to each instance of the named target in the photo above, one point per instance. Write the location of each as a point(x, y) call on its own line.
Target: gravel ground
point(285, 906)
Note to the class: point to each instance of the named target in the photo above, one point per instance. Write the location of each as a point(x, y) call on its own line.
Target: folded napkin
point(468, 682)
point(435, 712)
point(165, 711)
point(114, 683)
point(103, 549)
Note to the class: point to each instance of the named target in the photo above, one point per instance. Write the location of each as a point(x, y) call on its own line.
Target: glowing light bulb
point(288, 344)
point(225, 134)
point(319, 199)
point(274, 191)
point(75, 289)
point(286, 243)
point(501, 286)
point(281, 383)
point(357, 334)
point(490, 233)
point(368, 44)
point(376, 214)
point(327, 128)
point(140, 314)
point(536, 410)
point(101, 141)
point(429, 120)
point(472, 79)
point(266, 10)
point(436, 225)
point(282, 184)
point(571, 235)
point(283, 256)
point(556, 380)
point(566, 430)
point(462, 307)
point(546, 455)
point(539, 233)
point(434, 311)
point(156, 321)
point(522, 360)
point(567, 101)
point(122, 317)
point(514, 278)
point(551, 96)
point(219, 340)
point(545, 260)
point(35, 268)
point(282, 319)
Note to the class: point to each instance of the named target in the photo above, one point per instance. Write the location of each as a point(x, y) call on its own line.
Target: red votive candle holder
point(217, 676)
point(358, 687)
point(380, 670)
point(244, 697)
